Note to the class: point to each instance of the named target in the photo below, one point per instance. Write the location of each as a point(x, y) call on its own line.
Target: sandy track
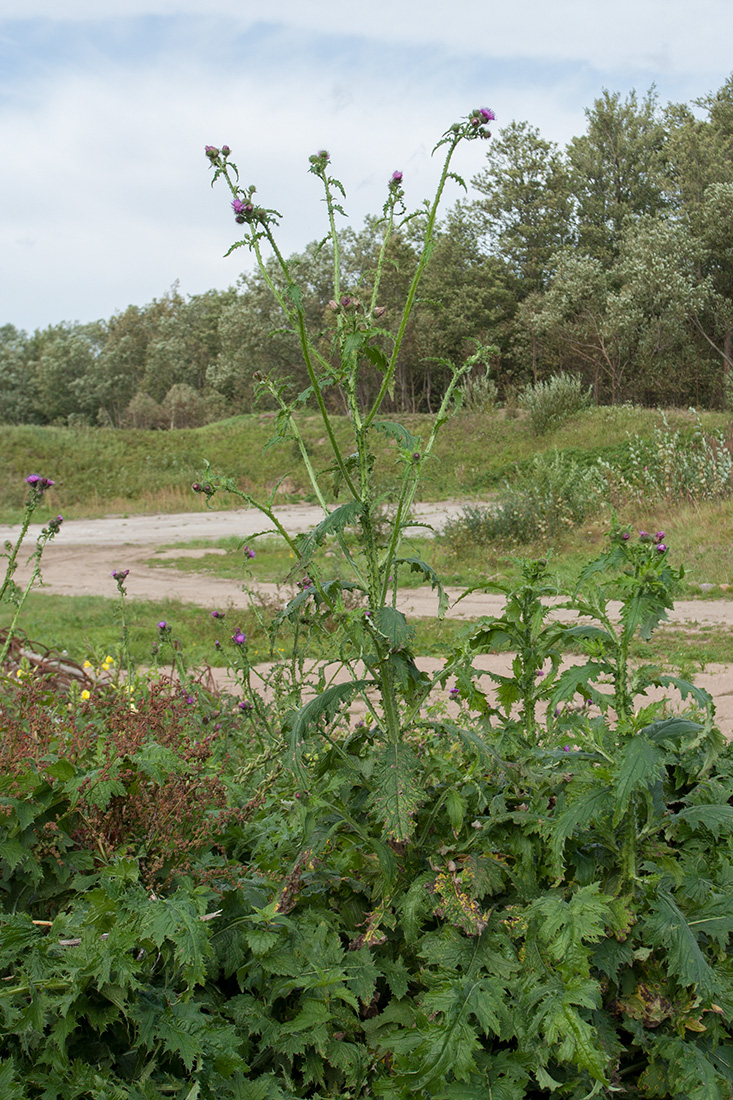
point(81, 558)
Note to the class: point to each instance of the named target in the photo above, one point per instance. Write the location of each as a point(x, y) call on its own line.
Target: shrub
point(674, 466)
point(479, 393)
point(554, 494)
point(551, 403)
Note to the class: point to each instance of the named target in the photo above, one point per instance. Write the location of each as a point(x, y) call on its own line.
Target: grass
point(108, 471)
point(696, 535)
point(86, 628)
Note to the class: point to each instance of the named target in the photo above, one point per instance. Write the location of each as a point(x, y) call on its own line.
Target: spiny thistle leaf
point(333, 524)
point(396, 794)
point(392, 625)
point(326, 706)
point(417, 565)
point(667, 928)
point(405, 438)
point(641, 764)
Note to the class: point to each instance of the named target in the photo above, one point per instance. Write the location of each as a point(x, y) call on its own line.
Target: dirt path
point(81, 558)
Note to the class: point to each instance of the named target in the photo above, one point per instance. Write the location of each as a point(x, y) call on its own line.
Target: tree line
point(611, 259)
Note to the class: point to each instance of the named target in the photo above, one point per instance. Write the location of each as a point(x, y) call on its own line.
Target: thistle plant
point(9, 590)
point(374, 642)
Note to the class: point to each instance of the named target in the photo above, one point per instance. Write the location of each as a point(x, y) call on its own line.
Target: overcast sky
point(105, 110)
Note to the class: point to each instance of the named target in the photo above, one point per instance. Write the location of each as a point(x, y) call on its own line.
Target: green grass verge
point(103, 471)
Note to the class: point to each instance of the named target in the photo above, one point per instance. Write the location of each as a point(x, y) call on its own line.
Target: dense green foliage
point(199, 902)
point(611, 259)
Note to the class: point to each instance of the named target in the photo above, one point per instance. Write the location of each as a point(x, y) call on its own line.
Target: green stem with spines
point(412, 292)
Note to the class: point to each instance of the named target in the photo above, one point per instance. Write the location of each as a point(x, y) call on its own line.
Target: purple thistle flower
point(239, 638)
point(659, 536)
point(487, 114)
point(454, 693)
point(189, 699)
point(566, 748)
point(225, 150)
point(661, 547)
point(248, 553)
point(626, 536)
point(217, 615)
point(162, 625)
point(39, 483)
point(211, 152)
point(119, 574)
point(245, 705)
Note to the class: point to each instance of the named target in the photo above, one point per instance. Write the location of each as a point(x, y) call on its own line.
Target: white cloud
point(663, 34)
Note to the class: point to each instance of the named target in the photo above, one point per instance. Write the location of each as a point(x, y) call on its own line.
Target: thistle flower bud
point(211, 152)
point(225, 150)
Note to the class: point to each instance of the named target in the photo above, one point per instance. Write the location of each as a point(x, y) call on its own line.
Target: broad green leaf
point(670, 729)
point(377, 358)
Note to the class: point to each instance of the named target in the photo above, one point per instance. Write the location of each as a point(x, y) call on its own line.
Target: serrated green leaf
point(715, 818)
point(396, 794)
point(393, 430)
point(332, 524)
point(325, 705)
point(393, 626)
point(667, 928)
point(641, 764)
point(417, 565)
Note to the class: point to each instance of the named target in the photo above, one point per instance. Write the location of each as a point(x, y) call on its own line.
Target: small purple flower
point(454, 693)
point(416, 456)
point(661, 547)
point(626, 536)
point(566, 748)
point(644, 535)
point(225, 150)
point(395, 180)
point(189, 700)
point(239, 637)
point(211, 152)
point(217, 615)
point(245, 705)
point(39, 483)
point(217, 644)
point(659, 536)
point(487, 114)
point(119, 574)
point(162, 625)
point(248, 553)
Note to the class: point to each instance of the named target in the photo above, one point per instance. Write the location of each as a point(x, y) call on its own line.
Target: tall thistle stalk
point(379, 636)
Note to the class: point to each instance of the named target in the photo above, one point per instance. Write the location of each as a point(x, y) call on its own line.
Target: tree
point(617, 169)
point(525, 214)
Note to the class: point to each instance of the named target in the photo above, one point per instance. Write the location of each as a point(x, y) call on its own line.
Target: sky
point(105, 110)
